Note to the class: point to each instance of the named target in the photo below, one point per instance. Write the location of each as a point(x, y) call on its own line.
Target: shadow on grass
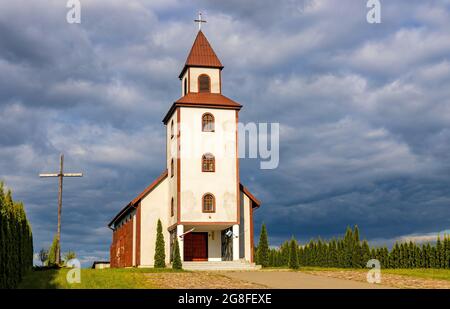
point(40, 278)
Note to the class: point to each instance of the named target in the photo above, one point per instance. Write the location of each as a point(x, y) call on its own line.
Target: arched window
point(209, 203)
point(185, 86)
point(172, 211)
point(207, 122)
point(171, 168)
point(171, 129)
point(208, 163)
point(204, 83)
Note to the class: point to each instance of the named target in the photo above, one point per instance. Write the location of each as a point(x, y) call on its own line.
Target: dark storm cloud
point(363, 110)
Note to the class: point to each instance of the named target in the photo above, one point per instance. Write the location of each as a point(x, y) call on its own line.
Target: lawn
point(150, 278)
point(117, 278)
point(132, 278)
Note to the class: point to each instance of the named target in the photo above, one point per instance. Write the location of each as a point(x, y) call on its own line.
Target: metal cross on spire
point(199, 21)
point(60, 175)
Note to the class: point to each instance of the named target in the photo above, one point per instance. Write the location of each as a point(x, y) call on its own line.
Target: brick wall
point(121, 250)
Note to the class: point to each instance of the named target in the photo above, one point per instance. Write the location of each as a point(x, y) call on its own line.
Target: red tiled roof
point(139, 197)
point(203, 99)
point(202, 54)
point(207, 98)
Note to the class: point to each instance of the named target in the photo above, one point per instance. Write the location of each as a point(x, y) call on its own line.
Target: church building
point(199, 197)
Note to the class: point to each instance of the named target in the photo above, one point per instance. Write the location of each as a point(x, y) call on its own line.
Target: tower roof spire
point(201, 55)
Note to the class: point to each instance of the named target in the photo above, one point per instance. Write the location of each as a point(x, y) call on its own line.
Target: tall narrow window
point(171, 168)
point(208, 122)
point(171, 129)
point(185, 86)
point(204, 83)
point(208, 163)
point(172, 211)
point(209, 203)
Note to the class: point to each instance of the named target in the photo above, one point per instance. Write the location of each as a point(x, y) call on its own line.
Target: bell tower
point(202, 151)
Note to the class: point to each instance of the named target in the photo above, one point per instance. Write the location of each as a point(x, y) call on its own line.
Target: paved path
point(298, 280)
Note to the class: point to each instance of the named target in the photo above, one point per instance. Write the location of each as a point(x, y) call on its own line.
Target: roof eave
point(196, 105)
point(137, 199)
point(255, 201)
point(186, 66)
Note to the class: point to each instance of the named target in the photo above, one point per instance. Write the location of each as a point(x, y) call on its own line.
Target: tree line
point(16, 241)
point(350, 252)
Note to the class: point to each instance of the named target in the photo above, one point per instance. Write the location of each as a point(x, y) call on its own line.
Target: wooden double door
point(196, 246)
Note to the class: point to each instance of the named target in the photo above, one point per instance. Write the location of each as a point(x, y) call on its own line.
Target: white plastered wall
point(172, 154)
point(153, 207)
point(214, 75)
point(244, 228)
point(223, 182)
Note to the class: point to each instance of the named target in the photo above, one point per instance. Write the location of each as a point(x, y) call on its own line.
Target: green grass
point(117, 278)
point(426, 273)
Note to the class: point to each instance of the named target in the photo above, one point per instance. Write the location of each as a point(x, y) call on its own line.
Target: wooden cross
point(60, 175)
point(199, 21)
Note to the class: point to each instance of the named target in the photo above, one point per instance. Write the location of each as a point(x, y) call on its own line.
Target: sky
point(364, 110)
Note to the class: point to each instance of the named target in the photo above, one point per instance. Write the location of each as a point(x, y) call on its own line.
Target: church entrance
point(196, 246)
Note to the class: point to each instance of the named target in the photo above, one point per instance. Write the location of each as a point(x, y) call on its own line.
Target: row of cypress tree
point(16, 241)
point(350, 252)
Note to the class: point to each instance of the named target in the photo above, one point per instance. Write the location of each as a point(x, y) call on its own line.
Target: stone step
point(220, 266)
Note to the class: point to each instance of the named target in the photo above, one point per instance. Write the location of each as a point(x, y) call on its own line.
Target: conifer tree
point(433, 261)
point(263, 247)
point(333, 254)
point(272, 253)
point(285, 253)
point(426, 255)
point(348, 247)
point(160, 251)
point(52, 252)
point(447, 251)
point(412, 255)
point(3, 239)
point(293, 254)
point(438, 251)
point(356, 253)
point(365, 250)
point(15, 241)
point(176, 263)
point(417, 256)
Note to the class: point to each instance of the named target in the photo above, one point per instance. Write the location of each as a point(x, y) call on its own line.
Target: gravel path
point(199, 280)
point(299, 280)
